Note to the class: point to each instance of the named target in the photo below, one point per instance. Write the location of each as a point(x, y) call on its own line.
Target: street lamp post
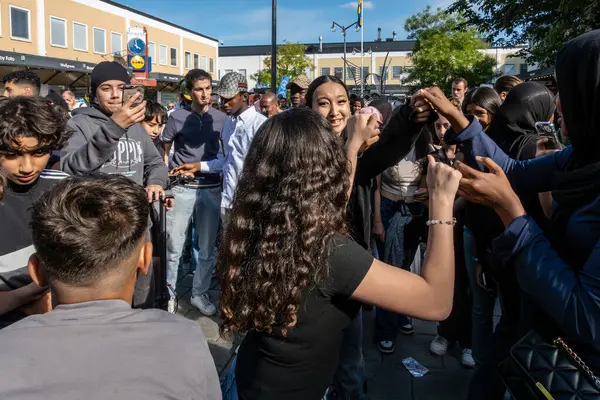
point(274, 48)
point(344, 29)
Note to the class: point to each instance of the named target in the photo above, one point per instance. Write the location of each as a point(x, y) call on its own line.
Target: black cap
point(108, 71)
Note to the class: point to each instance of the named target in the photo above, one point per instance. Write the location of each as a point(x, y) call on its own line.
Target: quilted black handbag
point(536, 369)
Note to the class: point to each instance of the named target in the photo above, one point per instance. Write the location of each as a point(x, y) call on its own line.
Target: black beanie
point(108, 71)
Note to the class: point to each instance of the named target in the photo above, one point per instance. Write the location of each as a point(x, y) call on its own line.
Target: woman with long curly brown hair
point(292, 277)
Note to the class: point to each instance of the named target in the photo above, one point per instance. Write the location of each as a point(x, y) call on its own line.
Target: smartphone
point(130, 90)
point(548, 130)
point(440, 155)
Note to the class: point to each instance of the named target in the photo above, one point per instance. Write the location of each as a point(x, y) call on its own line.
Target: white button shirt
point(237, 135)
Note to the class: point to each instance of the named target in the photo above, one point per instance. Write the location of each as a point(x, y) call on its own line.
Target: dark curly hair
point(290, 201)
point(32, 117)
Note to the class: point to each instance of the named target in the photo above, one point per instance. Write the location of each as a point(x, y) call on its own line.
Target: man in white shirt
point(237, 134)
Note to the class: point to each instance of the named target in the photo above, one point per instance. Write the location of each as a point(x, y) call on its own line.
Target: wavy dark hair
point(310, 92)
point(506, 83)
point(32, 117)
point(290, 201)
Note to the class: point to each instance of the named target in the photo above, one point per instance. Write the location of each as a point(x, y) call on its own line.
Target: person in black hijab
point(513, 127)
point(558, 269)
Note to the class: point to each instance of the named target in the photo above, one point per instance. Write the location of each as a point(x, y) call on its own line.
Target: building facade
point(62, 40)
point(328, 59)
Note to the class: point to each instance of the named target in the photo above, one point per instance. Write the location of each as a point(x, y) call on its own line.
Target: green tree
point(542, 26)
point(291, 61)
point(446, 49)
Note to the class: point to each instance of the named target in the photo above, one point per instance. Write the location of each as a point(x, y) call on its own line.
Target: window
point(396, 72)
point(80, 38)
point(522, 69)
point(338, 72)
point(325, 71)
point(204, 63)
point(196, 61)
point(162, 54)
point(152, 52)
point(116, 44)
point(228, 71)
point(173, 57)
point(509, 69)
point(383, 73)
point(188, 60)
point(242, 72)
point(58, 32)
point(20, 23)
point(350, 73)
point(99, 41)
point(365, 72)
point(211, 65)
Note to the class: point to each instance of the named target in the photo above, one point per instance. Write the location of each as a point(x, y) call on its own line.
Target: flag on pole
point(359, 11)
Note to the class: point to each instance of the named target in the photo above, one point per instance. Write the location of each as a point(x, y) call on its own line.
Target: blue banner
point(283, 86)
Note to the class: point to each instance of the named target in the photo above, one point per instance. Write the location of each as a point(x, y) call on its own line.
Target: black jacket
point(395, 142)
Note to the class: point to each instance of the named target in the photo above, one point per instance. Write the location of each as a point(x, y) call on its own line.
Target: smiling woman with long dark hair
point(292, 277)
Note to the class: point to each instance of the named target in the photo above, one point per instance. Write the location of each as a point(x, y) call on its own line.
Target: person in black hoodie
point(513, 129)
point(108, 138)
point(329, 96)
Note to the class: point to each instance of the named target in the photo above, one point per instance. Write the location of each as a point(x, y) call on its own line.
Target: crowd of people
point(299, 217)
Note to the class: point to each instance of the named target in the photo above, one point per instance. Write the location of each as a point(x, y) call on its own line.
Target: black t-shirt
point(15, 235)
point(301, 364)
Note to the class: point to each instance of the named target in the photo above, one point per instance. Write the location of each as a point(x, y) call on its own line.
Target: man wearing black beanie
point(108, 138)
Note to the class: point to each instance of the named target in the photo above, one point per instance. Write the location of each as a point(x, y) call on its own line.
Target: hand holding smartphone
point(130, 90)
point(548, 130)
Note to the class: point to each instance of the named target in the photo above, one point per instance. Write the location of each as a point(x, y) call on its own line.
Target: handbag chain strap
point(560, 342)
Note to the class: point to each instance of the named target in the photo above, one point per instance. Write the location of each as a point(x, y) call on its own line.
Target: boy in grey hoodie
point(107, 137)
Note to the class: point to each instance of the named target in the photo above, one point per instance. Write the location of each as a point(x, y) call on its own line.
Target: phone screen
point(548, 130)
point(130, 90)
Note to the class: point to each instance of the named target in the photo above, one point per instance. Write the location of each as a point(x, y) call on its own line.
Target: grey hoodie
point(98, 144)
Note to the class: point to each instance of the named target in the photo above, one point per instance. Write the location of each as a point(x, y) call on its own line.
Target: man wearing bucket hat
point(297, 87)
point(238, 132)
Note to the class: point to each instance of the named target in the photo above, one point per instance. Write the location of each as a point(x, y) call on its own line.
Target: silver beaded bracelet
point(441, 222)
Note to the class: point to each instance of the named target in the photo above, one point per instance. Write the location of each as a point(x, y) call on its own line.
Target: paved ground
point(387, 377)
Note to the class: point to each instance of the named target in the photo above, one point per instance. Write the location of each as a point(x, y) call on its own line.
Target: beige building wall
point(90, 14)
point(18, 45)
point(74, 12)
point(204, 52)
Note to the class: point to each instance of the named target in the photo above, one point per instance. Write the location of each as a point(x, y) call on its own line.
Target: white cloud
point(367, 5)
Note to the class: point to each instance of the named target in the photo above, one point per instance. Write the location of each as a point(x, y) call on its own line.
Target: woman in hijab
point(558, 269)
point(513, 128)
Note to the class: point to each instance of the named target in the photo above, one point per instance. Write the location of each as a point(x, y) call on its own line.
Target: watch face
point(136, 46)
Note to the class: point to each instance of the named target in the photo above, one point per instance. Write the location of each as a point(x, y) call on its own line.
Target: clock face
point(136, 46)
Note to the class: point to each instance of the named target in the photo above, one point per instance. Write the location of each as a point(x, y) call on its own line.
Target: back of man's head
point(89, 234)
point(27, 82)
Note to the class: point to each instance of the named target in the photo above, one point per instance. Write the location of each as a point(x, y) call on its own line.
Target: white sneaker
point(203, 304)
point(172, 305)
point(439, 345)
point(467, 358)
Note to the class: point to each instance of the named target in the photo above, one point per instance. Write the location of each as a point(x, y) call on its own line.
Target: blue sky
point(243, 22)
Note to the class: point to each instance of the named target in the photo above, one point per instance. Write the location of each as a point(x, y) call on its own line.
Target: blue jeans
point(350, 377)
point(203, 205)
point(483, 305)
point(387, 322)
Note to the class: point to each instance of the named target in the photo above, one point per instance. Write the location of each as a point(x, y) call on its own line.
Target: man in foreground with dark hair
point(89, 236)
point(21, 83)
